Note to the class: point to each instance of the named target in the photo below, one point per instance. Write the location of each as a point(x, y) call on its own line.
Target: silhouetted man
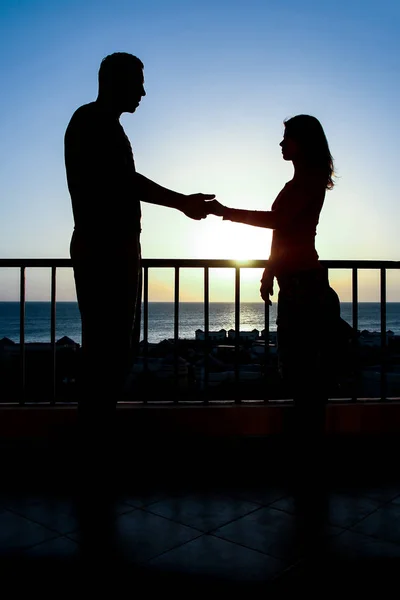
point(106, 192)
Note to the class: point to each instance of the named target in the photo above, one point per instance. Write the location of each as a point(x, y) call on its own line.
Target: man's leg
point(109, 296)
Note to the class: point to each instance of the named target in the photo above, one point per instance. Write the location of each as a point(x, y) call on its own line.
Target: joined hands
point(199, 206)
point(215, 208)
point(195, 206)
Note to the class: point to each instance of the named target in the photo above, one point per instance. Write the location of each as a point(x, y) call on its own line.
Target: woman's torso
point(293, 243)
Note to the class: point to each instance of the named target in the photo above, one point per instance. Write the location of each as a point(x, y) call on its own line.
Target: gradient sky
point(221, 76)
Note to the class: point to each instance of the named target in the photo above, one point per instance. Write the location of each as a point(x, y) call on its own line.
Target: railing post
point(53, 335)
point(237, 334)
point(206, 330)
point(176, 335)
point(383, 335)
point(266, 349)
point(355, 298)
point(22, 335)
point(355, 329)
point(145, 322)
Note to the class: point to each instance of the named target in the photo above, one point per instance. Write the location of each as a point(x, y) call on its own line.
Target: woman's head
point(304, 142)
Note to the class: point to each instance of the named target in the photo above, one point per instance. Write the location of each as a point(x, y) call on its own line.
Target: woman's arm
point(292, 202)
point(258, 218)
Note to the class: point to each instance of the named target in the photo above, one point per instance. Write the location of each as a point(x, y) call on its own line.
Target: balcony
point(202, 491)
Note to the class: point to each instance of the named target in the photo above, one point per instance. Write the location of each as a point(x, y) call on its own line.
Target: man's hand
point(195, 206)
point(215, 208)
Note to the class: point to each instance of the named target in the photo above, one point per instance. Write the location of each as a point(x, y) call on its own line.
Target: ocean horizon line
point(192, 302)
point(161, 320)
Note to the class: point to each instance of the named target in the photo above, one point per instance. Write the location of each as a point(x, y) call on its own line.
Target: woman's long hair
point(307, 131)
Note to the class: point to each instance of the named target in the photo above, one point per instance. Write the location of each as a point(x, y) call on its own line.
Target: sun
point(234, 241)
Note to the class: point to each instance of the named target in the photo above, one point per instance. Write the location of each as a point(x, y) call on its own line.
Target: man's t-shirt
point(101, 178)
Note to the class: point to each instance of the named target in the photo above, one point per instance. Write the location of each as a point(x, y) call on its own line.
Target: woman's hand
point(215, 208)
point(267, 286)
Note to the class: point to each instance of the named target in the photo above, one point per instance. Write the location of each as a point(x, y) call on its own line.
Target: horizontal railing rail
point(206, 264)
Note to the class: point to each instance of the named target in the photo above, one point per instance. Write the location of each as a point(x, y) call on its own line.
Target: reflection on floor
point(211, 514)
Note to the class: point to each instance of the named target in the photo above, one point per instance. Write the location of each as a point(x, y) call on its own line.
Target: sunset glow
point(221, 77)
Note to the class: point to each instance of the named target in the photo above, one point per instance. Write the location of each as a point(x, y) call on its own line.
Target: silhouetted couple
point(106, 191)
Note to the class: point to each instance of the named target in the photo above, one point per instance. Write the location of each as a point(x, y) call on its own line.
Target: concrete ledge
point(196, 444)
point(44, 421)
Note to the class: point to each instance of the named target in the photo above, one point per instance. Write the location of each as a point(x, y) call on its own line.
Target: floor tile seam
point(361, 519)
point(57, 537)
point(247, 499)
point(147, 504)
point(167, 550)
point(203, 530)
point(170, 519)
point(26, 547)
point(382, 502)
point(254, 510)
point(373, 536)
point(288, 569)
point(127, 512)
point(367, 535)
point(222, 539)
point(332, 523)
point(29, 520)
point(247, 547)
point(78, 529)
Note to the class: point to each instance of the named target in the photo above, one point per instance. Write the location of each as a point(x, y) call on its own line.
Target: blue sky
point(220, 79)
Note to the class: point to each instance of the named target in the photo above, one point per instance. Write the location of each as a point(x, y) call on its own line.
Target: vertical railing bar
point(53, 335)
point(145, 351)
point(355, 298)
point(266, 349)
point(237, 333)
point(383, 335)
point(355, 327)
point(145, 325)
point(206, 331)
point(22, 335)
point(176, 333)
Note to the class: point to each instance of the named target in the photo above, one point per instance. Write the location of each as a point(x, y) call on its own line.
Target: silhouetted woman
point(308, 308)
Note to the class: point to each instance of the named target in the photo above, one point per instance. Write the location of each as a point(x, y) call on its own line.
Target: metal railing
point(205, 264)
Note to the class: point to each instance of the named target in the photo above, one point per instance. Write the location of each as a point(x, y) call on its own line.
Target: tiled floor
point(242, 536)
point(218, 530)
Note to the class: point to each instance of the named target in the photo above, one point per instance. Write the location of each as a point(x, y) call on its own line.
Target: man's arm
point(192, 205)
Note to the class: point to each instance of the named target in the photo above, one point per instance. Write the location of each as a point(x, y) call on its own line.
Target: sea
point(161, 319)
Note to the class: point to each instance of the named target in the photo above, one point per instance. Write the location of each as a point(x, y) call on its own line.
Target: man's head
point(121, 81)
